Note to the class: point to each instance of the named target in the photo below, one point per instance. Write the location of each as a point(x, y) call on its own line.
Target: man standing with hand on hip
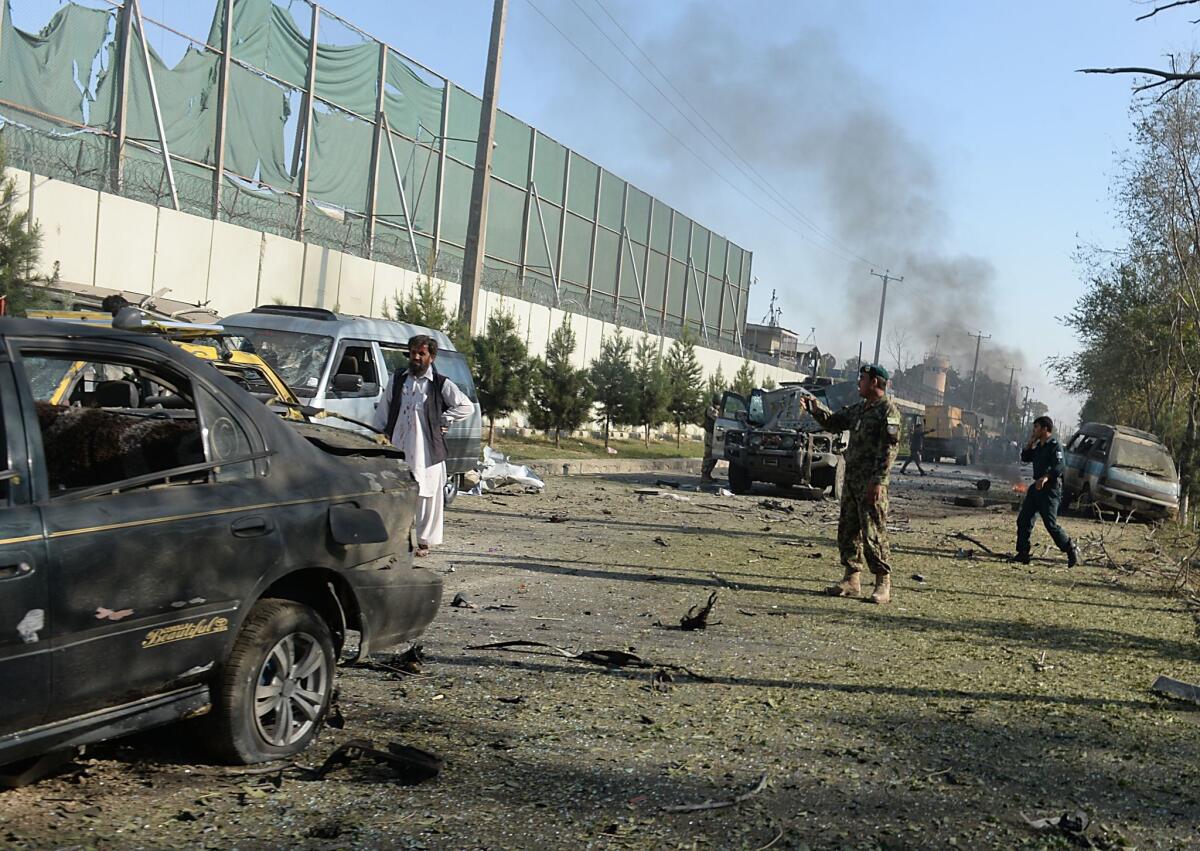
point(414, 414)
point(1043, 496)
point(874, 425)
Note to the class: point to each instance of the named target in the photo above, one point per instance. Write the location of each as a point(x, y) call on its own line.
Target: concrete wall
point(107, 241)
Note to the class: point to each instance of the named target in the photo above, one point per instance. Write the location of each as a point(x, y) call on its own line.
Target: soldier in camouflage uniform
point(710, 423)
point(874, 424)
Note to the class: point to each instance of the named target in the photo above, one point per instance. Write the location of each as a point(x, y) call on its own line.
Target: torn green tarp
point(410, 102)
point(257, 112)
point(266, 36)
point(186, 96)
point(52, 72)
point(341, 156)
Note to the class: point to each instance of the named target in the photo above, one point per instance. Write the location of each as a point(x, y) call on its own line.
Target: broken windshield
point(1144, 457)
point(298, 358)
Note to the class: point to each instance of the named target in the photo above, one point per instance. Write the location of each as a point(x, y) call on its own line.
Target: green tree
point(426, 306)
point(20, 247)
point(1138, 320)
point(769, 383)
point(744, 381)
point(685, 386)
point(561, 398)
point(611, 377)
point(501, 369)
point(716, 385)
point(650, 389)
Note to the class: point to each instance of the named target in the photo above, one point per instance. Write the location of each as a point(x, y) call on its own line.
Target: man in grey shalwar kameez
point(414, 416)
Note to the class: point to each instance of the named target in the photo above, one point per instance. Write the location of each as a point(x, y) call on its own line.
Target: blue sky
point(949, 141)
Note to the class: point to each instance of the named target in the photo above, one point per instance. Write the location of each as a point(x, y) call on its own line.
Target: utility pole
point(885, 277)
point(1012, 371)
point(1025, 405)
point(979, 338)
point(472, 270)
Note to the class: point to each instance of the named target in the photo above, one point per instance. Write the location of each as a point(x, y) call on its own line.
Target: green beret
point(876, 370)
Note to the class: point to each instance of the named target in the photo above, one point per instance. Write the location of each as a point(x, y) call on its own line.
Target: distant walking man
point(419, 405)
point(916, 445)
point(710, 424)
point(1043, 496)
point(874, 425)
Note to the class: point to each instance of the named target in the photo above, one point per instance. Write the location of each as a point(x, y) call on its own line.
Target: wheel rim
point(290, 690)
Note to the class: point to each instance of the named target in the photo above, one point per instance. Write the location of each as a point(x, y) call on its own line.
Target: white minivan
point(342, 363)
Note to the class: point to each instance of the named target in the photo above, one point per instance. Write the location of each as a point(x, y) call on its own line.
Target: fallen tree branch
point(963, 536)
point(719, 805)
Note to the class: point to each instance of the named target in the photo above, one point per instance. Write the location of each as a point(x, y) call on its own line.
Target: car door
point(157, 521)
point(732, 415)
point(24, 648)
point(355, 359)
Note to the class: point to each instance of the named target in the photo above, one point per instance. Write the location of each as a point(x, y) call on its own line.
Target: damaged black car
point(170, 548)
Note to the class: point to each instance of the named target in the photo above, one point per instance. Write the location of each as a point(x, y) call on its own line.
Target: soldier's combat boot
point(883, 589)
point(1073, 556)
point(850, 586)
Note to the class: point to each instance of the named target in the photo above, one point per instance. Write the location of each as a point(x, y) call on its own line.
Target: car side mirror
point(344, 382)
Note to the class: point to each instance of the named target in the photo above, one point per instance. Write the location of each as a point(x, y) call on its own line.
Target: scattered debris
point(963, 536)
point(776, 505)
point(606, 658)
point(1177, 688)
point(411, 661)
point(725, 583)
point(983, 485)
point(1040, 665)
point(497, 472)
point(513, 700)
point(557, 518)
point(918, 577)
point(968, 501)
point(697, 616)
point(460, 601)
point(1071, 825)
point(965, 554)
point(412, 765)
point(661, 541)
point(718, 805)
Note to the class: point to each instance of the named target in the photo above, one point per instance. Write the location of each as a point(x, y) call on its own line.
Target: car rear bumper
point(394, 610)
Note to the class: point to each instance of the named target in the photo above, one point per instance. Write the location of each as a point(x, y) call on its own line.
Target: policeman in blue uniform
point(1043, 496)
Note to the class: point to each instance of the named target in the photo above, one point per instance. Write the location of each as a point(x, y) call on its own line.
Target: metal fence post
point(523, 251)
point(595, 236)
point(620, 261)
point(222, 104)
point(158, 119)
point(306, 122)
point(124, 34)
point(441, 175)
point(373, 186)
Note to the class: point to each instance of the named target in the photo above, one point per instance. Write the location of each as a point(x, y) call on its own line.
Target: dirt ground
point(985, 693)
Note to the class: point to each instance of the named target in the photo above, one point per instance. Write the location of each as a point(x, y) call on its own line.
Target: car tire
point(451, 489)
point(740, 481)
point(281, 667)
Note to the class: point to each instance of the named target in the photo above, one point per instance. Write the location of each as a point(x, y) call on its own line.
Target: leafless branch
point(1176, 77)
point(1165, 7)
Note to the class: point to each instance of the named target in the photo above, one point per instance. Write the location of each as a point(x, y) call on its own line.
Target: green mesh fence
point(390, 143)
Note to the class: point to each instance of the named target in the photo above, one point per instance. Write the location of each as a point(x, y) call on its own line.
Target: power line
point(685, 145)
point(762, 182)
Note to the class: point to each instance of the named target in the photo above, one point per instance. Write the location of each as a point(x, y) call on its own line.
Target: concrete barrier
point(588, 466)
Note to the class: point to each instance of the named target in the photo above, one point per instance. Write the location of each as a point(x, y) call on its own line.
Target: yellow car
point(51, 384)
